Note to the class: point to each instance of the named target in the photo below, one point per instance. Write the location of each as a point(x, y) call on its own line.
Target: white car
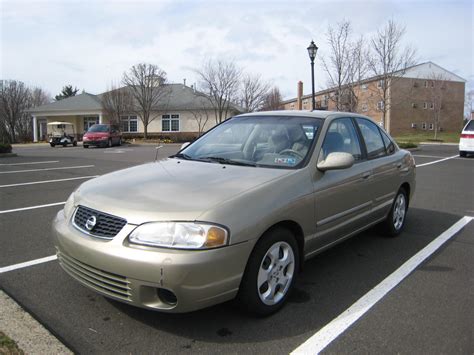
point(466, 143)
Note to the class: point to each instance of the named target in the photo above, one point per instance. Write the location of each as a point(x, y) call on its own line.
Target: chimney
point(184, 81)
point(299, 95)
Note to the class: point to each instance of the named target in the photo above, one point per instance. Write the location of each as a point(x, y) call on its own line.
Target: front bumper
point(95, 143)
point(134, 274)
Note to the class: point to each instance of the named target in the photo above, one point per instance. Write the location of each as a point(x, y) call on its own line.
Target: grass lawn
point(8, 346)
point(444, 137)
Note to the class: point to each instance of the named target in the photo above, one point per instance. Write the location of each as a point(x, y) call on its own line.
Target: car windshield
point(99, 128)
point(268, 141)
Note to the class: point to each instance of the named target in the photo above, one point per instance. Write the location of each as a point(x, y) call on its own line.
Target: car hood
point(172, 189)
point(96, 134)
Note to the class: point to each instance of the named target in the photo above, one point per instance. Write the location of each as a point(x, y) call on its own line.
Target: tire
point(85, 146)
point(64, 145)
point(74, 144)
point(52, 145)
point(278, 247)
point(395, 221)
point(462, 154)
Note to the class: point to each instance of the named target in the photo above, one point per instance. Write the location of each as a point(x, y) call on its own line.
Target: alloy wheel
point(399, 210)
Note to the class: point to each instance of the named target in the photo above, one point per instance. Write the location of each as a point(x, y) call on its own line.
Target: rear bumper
point(134, 274)
point(466, 145)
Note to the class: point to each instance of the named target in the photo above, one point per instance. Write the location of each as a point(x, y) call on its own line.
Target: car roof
point(299, 113)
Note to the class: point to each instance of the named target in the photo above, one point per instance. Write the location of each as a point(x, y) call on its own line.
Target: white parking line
point(428, 156)
point(27, 264)
point(31, 163)
point(32, 207)
point(337, 326)
point(48, 181)
point(46, 169)
point(437, 161)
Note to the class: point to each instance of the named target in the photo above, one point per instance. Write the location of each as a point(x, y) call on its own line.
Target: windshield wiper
point(222, 160)
point(182, 156)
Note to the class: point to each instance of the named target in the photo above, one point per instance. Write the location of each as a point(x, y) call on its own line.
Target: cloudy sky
point(90, 43)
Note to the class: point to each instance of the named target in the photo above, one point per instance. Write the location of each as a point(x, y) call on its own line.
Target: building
point(182, 113)
point(415, 97)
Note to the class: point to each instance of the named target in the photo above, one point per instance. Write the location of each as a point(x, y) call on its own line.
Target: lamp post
point(312, 50)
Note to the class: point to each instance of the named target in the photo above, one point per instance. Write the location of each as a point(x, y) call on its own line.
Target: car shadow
point(329, 284)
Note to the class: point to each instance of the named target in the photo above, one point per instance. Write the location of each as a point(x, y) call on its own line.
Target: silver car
point(235, 213)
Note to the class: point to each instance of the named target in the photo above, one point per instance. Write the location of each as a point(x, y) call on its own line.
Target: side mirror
point(336, 161)
point(184, 145)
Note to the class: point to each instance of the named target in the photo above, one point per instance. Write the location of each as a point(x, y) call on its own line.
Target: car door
point(385, 166)
point(342, 197)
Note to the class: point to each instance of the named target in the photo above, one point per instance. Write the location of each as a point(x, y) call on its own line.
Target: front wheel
point(52, 145)
point(270, 273)
point(395, 220)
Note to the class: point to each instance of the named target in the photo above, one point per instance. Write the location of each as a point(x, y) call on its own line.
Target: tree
point(439, 88)
point(468, 105)
point(388, 61)
point(273, 100)
point(201, 117)
point(117, 102)
point(14, 97)
point(220, 81)
point(253, 92)
point(147, 84)
point(66, 92)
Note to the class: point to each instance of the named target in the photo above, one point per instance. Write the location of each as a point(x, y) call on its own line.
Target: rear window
point(470, 126)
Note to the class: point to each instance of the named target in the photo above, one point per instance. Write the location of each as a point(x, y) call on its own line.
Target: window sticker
point(285, 161)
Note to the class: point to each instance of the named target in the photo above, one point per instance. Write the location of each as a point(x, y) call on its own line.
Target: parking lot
point(429, 311)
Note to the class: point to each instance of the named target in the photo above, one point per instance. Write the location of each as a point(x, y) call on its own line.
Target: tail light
point(466, 135)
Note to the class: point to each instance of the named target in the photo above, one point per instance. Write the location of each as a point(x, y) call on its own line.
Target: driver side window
point(341, 137)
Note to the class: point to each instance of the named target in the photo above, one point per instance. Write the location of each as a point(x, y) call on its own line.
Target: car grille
point(102, 281)
point(107, 226)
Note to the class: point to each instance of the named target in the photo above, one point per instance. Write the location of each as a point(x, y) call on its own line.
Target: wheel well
point(406, 187)
point(297, 231)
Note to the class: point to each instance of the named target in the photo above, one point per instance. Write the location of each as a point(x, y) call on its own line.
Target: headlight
point(69, 206)
point(182, 235)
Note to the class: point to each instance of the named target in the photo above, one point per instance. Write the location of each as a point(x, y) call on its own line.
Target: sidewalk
point(28, 333)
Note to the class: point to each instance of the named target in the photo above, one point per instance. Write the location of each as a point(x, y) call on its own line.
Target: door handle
point(366, 175)
point(399, 165)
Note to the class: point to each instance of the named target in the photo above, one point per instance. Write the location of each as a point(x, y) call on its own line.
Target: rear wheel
point(52, 145)
point(85, 146)
point(270, 273)
point(462, 154)
point(74, 144)
point(395, 221)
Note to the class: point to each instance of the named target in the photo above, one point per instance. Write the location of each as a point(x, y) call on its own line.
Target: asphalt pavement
point(430, 311)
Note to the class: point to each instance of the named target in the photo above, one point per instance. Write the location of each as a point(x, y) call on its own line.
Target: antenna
point(157, 149)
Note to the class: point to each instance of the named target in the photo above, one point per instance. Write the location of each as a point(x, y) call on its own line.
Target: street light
point(312, 50)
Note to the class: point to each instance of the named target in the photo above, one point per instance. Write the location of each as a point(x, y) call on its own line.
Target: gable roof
point(81, 102)
point(177, 97)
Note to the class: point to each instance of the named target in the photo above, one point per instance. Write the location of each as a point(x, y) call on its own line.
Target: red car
point(102, 135)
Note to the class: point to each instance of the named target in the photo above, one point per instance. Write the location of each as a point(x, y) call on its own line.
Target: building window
point(365, 108)
point(425, 105)
point(129, 123)
point(170, 123)
point(423, 125)
point(292, 106)
point(305, 102)
point(431, 106)
point(89, 122)
point(380, 83)
point(426, 84)
point(431, 126)
point(364, 87)
point(380, 105)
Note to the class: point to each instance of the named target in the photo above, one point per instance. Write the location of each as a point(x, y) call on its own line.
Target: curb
point(438, 143)
point(29, 334)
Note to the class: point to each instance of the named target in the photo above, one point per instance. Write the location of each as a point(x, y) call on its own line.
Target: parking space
point(329, 284)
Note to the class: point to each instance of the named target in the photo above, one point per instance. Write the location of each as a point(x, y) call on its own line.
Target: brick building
point(415, 98)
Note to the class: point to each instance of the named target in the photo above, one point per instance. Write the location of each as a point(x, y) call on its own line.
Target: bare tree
point(388, 61)
point(253, 92)
point(439, 89)
point(469, 105)
point(273, 100)
point(14, 97)
point(337, 63)
point(220, 81)
point(116, 102)
point(357, 71)
point(201, 117)
point(147, 84)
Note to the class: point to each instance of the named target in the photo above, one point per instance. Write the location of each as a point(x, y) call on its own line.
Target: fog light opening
point(166, 296)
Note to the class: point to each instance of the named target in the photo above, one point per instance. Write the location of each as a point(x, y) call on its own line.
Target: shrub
point(407, 145)
point(5, 148)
